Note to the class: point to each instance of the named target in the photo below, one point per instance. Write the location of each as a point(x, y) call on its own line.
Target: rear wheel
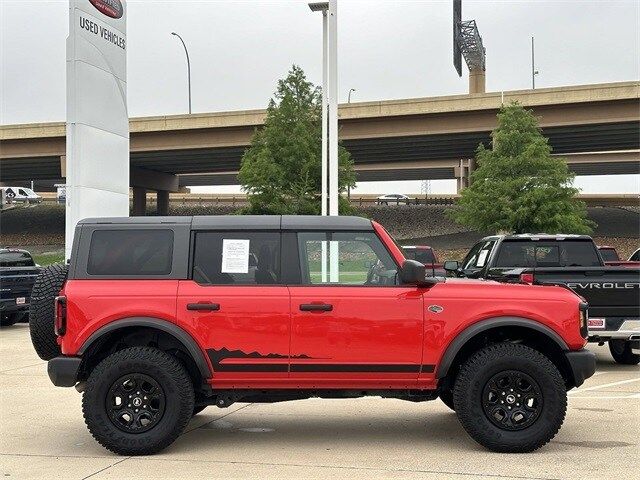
point(138, 401)
point(41, 315)
point(621, 352)
point(510, 398)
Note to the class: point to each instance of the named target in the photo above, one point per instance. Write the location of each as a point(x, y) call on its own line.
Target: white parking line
point(605, 385)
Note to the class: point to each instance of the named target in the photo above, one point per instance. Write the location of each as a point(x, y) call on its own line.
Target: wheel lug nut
point(129, 405)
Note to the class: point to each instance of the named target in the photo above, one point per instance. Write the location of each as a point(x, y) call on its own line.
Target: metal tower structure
point(467, 43)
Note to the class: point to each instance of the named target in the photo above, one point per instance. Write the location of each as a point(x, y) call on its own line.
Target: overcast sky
point(387, 49)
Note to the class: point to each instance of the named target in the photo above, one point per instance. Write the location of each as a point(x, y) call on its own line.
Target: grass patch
point(48, 258)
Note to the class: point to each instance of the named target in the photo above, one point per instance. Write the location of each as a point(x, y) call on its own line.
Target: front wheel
point(621, 352)
point(137, 401)
point(510, 398)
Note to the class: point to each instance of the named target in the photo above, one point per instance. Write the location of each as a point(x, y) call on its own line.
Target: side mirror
point(451, 265)
point(415, 273)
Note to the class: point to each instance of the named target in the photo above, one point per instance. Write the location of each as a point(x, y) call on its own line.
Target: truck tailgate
point(610, 291)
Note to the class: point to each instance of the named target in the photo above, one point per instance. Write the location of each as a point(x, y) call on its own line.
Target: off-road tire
point(621, 352)
point(475, 375)
point(176, 386)
point(41, 314)
point(8, 319)
point(446, 395)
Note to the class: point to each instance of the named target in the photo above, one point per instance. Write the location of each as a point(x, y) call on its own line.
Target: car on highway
point(394, 199)
point(20, 195)
point(425, 255)
point(574, 261)
point(155, 318)
point(18, 273)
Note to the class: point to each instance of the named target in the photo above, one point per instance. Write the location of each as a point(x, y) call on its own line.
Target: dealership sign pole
point(97, 156)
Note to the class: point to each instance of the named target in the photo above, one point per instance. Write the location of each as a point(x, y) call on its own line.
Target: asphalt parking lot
point(43, 435)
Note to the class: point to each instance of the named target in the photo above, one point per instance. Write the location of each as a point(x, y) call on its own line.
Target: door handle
point(212, 307)
point(316, 307)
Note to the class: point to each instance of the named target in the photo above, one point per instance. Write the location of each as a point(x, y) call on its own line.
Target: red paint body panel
point(91, 304)
point(368, 327)
point(250, 319)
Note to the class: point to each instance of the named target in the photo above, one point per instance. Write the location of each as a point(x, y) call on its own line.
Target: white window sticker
point(235, 256)
point(482, 258)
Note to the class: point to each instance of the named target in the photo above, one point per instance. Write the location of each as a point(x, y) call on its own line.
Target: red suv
point(157, 318)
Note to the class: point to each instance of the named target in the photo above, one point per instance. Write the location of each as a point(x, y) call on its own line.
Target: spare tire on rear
point(41, 314)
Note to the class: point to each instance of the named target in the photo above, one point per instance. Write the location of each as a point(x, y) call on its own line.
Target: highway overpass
point(596, 129)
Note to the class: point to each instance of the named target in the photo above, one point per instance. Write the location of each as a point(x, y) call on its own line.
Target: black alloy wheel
point(135, 403)
point(512, 400)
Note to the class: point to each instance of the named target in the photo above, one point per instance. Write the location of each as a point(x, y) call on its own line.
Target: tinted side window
point(237, 258)
point(609, 255)
point(130, 252)
point(362, 259)
point(478, 256)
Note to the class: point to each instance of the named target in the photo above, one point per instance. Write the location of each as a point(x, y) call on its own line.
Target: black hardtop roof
point(243, 222)
point(540, 237)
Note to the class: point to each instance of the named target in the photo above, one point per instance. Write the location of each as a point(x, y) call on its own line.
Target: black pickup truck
point(18, 273)
point(613, 293)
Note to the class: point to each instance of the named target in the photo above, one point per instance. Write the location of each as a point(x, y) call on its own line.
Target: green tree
point(518, 186)
point(281, 170)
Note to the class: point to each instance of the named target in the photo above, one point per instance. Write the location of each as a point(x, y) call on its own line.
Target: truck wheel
point(137, 401)
point(621, 352)
point(446, 395)
point(510, 398)
point(8, 319)
point(41, 315)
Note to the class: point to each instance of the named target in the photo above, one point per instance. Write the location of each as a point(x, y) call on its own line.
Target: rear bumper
point(63, 371)
point(616, 329)
point(583, 365)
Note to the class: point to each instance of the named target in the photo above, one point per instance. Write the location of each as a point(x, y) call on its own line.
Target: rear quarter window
point(130, 252)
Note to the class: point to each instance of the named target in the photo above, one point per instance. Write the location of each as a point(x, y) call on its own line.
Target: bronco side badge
point(435, 308)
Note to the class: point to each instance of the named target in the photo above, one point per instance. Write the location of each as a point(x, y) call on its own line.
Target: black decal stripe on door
point(349, 368)
point(217, 358)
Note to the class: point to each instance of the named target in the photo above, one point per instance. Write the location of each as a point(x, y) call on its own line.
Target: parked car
point(155, 319)
point(20, 195)
point(425, 255)
point(18, 273)
point(610, 257)
point(394, 199)
point(574, 261)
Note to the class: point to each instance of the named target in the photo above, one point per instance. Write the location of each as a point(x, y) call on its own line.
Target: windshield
point(16, 259)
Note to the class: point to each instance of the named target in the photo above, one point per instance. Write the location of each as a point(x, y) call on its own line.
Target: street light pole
point(349, 95)
point(534, 72)
point(188, 67)
point(332, 105)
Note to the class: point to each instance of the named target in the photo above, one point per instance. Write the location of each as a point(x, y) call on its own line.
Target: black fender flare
point(490, 323)
point(171, 328)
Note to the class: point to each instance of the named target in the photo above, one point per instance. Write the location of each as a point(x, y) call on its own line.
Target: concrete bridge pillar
point(139, 201)
point(162, 202)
